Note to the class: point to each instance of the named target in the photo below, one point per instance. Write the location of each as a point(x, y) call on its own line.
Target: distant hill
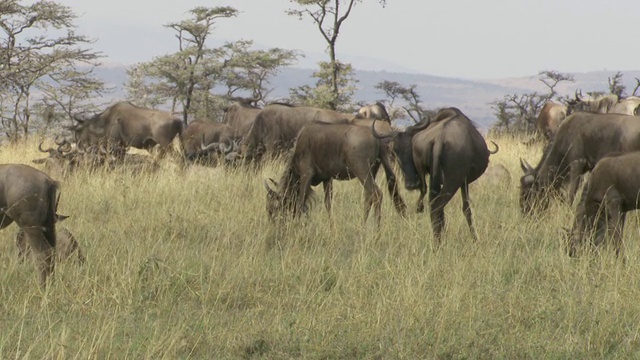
point(473, 97)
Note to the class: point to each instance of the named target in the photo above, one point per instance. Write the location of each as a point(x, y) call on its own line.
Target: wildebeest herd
point(322, 145)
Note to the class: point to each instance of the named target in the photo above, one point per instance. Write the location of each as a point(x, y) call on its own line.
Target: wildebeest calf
point(611, 191)
point(324, 152)
point(66, 245)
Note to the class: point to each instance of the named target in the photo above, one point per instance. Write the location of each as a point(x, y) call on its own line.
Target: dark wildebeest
point(29, 197)
point(324, 152)
point(601, 105)
point(627, 106)
point(204, 133)
point(66, 245)
point(612, 190)
point(550, 118)
point(376, 111)
point(275, 129)
point(240, 115)
point(124, 124)
point(452, 151)
point(582, 140)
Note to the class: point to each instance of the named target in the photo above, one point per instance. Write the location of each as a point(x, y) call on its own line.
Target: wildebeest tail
point(49, 227)
point(392, 185)
point(436, 154)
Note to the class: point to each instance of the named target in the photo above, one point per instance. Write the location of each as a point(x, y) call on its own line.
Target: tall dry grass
point(184, 264)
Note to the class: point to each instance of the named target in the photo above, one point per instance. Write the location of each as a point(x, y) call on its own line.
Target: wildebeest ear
point(60, 217)
point(270, 191)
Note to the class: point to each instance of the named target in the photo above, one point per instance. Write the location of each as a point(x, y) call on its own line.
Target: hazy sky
point(472, 39)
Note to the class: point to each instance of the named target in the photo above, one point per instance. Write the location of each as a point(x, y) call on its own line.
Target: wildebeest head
point(274, 201)
point(403, 149)
point(88, 131)
point(532, 195)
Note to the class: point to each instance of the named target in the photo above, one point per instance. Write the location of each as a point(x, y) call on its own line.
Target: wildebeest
point(275, 128)
point(627, 106)
point(550, 117)
point(29, 197)
point(240, 115)
point(582, 140)
point(66, 159)
point(452, 151)
point(612, 190)
point(124, 124)
point(601, 104)
point(375, 111)
point(199, 133)
point(66, 245)
point(324, 152)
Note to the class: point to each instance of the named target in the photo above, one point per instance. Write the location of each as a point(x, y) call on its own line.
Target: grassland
point(184, 264)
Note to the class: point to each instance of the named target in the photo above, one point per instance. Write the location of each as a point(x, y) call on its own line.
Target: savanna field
point(184, 264)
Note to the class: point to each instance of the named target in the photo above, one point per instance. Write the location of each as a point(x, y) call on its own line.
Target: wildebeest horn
point(64, 146)
point(391, 134)
point(226, 148)
point(49, 150)
point(204, 148)
point(496, 150)
point(525, 166)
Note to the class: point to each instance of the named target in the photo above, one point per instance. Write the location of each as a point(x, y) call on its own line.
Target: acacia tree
point(187, 78)
point(38, 49)
point(322, 95)
point(249, 70)
point(411, 104)
point(328, 16)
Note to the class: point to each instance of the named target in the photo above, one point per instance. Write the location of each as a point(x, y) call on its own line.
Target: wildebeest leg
point(466, 209)
point(373, 196)
point(423, 192)
point(577, 168)
point(21, 244)
point(328, 193)
point(303, 194)
point(616, 219)
point(43, 251)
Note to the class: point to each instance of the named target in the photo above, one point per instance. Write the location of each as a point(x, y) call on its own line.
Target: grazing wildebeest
point(240, 115)
point(124, 124)
point(550, 117)
point(452, 151)
point(66, 245)
point(199, 133)
point(627, 106)
point(582, 140)
point(275, 129)
point(29, 197)
point(601, 104)
point(612, 190)
point(376, 111)
point(324, 152)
